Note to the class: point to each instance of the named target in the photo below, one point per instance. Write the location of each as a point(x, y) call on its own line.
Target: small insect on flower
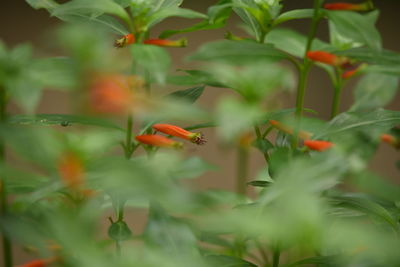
point(158, 140)
point(71, 170)
point(111, 94)
point(37, 263)
point(169, 43)
point(286, 129)
point(350, 7)
point(318, 145)
point(176, 131)
point(125, 40)
point(328, 58)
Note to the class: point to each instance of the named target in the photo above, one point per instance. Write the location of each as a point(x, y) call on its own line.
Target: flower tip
point(124, 41)
point(318, 145)
point(273, 122)
point(349, 6)
point(198, 138)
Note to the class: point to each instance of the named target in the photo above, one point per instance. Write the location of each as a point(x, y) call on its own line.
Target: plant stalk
point(337, 94)
point(304, 70)
point(242, 167)
point(276, 257)
point(7, 245)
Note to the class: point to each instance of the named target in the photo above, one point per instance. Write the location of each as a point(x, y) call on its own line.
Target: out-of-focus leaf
point(190, 95)
point(264, 145)
point(18, 181)
point(227, 261)
point(61, 119)
point(168, 233)
point(201, 125)
point(327, 261)
point(378, 120)
point(258, 183)
point(253, 81)
point(151, 61)
point(367, 206)
point(195, 77)
point(237, 52)
point(374, 91)
point(294, 14)
point(357, 27)
point(192, 168)
point(235, 118)
point(119, 231)
point(56, 73)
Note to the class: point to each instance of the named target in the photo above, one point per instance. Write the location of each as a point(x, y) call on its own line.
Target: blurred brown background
point(20, 23)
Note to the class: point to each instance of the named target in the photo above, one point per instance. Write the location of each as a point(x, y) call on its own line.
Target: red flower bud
point(327, 58)
point(286, 129)
point(158, 140)
point(318, 145)
point(176, 131)
point(348, 6)
point(169, 43)
point(125, 40)
point(391, 140)
point(71, 170)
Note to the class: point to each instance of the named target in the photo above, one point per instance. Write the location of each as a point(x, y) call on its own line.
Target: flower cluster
point(130, 39)
point(172, 130)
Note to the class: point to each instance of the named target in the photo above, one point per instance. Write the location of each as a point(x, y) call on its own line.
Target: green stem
point(7, 246)
point(304, 70)
point(260, 137)
point(242, 167)
point(337, 94)
point(276, 257)
point(128, 141)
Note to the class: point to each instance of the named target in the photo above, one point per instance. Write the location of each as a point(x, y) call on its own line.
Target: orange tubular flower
point(71, 170)
point(350, 73)
point(391, 140)
point(327, 58)
point(158, 140)
point(37, 263)
point(125, 40)
point(350, 7)
point(286, 129)
point(318, 145)
point(162, 42)
point(111, 93)
point(176, 131)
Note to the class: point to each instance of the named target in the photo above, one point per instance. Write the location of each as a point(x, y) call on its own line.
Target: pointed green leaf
point(190, 95)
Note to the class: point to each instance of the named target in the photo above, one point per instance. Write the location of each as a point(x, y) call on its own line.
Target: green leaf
point(264, 145)
point(237, 52)
point(367, 206)
point(61, 119)
point(325, 261)
point(57, 73)
point(169, 234)
point(119, 231)
point(258, 183)
point(379, 120)
point(192, 168)
point(374, 91)
point(253, 81)
point(47, 4)
point(152, 61)
point(164, 13)
point(294, 14)
point(227, 261)
point(190, 95)
point(217, 17)
point(243, 9)
point(383, 57)
point(356, 27)
point(293, 42)
point(90, 8)
point(195, 77)
point(234, 118)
